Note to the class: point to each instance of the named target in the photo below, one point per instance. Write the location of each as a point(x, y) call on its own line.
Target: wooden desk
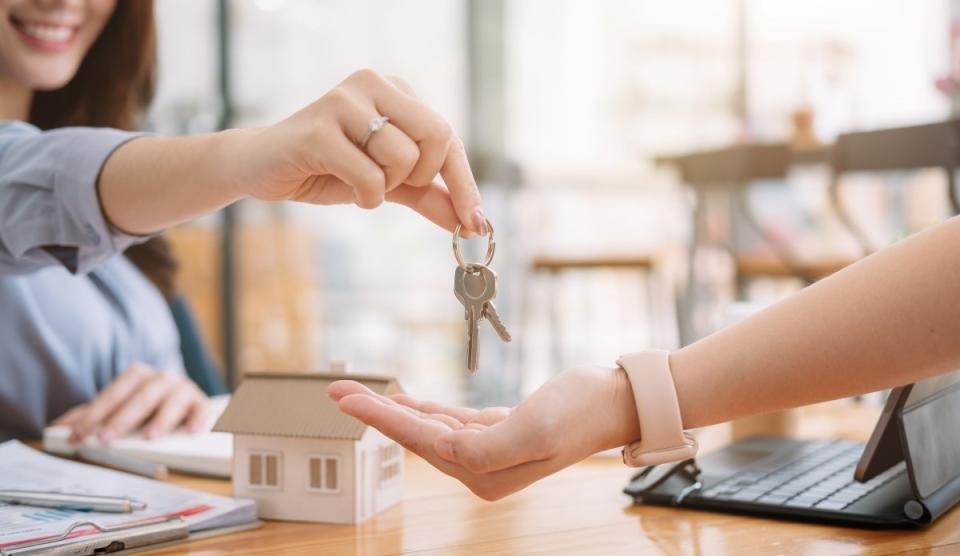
point(577, 511)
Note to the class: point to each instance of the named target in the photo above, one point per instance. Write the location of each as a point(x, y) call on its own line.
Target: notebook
point(24, 468)
point(203, 453)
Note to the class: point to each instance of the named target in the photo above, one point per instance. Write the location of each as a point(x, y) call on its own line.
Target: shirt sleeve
point(49, 210)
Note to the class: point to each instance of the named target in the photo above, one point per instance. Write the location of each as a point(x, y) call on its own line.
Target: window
point(323, 474)
point(265, 470)
point(389, 462)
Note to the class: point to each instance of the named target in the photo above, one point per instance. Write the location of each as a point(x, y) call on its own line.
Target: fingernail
point(106, 435)
point(444, 449)
point(479, 222)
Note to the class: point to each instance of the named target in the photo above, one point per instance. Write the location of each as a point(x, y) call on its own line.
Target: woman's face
point(42, 42)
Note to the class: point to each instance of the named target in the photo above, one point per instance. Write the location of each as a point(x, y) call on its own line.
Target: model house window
point(389, 462)
point(323, 473)
point(265, 470)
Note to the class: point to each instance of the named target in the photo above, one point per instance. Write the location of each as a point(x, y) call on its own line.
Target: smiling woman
point(95, 342)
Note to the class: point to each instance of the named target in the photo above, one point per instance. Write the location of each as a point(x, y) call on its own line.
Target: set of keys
point(475, 286)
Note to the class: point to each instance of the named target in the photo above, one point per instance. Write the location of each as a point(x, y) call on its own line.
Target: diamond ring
point(375, 125)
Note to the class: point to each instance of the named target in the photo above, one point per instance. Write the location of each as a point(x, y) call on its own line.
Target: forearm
point(890, 319)
point(152, 183)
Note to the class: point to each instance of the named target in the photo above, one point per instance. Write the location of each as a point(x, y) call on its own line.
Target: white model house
point(301, 459)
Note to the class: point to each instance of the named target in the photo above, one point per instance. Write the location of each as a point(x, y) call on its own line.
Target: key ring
point(491, 247)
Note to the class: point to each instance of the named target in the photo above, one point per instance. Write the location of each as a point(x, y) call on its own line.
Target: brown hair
point(115, 80)
point(112, 87)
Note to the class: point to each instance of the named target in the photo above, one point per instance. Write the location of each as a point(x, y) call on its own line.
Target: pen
point(64, 501)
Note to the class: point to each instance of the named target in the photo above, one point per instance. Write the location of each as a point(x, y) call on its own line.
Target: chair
point(906, 148)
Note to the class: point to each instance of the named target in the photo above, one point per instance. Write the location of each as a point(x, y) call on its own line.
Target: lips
point(45, 36)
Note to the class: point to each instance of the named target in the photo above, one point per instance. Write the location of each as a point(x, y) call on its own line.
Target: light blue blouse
point(74, 313)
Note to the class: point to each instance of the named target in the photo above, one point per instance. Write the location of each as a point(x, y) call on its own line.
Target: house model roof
point(295, 405)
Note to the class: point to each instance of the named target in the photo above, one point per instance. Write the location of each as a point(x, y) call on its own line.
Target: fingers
point(108, 400)
point(184, 403)
point(151, 395)
point(350, 165)
point(70, 417)
point(409, 430)
point(427, 128)
point(137, 394)
point(198, 419)
point(463, 188)
point(487, 449)
point(389, 147)
point(462, 414)
point(491, 416)
point(440, 151)
point(342, 388)
point(432, 201)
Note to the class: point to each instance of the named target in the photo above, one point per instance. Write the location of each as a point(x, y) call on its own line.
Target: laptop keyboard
point(820, 476)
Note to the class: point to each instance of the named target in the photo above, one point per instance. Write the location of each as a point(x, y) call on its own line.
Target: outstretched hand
point(499, 450)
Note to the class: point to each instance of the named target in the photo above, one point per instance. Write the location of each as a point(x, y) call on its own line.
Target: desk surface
point(577, 511)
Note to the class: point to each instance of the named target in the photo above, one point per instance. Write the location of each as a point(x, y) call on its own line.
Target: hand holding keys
point(475, 286)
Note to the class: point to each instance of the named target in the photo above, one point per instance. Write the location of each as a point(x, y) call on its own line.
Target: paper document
point(203, 453)
point(24, 468)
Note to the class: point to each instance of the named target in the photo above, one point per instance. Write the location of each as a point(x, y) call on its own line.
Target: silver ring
point(375, 125)
point(491, 246)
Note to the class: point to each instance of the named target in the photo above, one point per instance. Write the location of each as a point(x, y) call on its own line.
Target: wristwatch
point(662, 438)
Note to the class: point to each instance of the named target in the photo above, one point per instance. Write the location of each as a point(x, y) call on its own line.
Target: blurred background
point(654, 171)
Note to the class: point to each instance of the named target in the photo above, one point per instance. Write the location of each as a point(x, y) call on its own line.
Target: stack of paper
point(23, 468)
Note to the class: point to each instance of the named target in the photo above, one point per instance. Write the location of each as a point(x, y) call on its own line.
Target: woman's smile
point(45, 36)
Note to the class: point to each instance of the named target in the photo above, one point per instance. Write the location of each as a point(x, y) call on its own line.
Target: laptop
point(906, 475)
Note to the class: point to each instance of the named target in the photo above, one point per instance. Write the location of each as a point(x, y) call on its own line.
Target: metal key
point(490, 313)
point(475, 286)
point(489, 309)
point(474, 289)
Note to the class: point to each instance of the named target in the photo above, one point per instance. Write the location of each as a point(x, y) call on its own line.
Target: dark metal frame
point(228, 222)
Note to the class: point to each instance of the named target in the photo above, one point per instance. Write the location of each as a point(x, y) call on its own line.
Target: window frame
point(264, 454)
point(324, 458)
point(393, 461)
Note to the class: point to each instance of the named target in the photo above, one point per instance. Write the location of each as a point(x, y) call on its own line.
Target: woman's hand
point(315, 155)
point(499, 450)
point(141, 396)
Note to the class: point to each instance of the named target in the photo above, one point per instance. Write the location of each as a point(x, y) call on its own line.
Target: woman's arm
point(890, 319)
point(59, 188)
point(313, 156)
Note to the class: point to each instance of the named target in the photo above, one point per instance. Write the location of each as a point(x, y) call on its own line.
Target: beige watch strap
point(662, 438)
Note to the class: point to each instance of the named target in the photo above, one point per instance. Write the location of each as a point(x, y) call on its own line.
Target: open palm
point(498, 450)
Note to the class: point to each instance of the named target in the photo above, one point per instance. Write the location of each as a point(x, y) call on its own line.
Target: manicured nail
point(479, 222)
point(444, 449)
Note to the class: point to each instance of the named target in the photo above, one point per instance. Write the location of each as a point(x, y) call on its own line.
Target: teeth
point(50, 33)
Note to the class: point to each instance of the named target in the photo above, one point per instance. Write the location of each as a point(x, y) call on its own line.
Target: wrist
point(618, 405)
point(232, 152)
